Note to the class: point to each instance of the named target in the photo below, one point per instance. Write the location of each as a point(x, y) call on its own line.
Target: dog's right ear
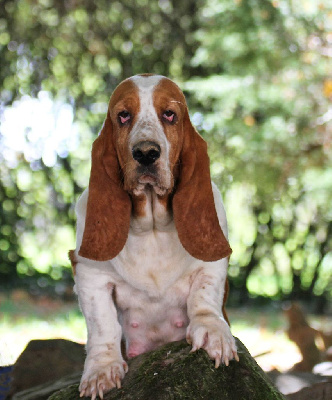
point(109, 206)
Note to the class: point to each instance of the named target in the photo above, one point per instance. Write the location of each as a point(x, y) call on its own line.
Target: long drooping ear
point(109, 207)
point(194, 210)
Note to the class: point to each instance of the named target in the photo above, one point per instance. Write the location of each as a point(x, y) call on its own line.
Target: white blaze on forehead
point(147, 126)
point(146, 82)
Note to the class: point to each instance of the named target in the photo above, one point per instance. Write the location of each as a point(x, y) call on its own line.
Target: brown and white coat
point(152, 253)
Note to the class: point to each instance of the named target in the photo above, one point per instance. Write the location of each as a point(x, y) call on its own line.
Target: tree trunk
point(172, 372)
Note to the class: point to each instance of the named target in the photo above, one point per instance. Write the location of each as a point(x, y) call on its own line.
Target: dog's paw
point(214, 336)
point(98, 379)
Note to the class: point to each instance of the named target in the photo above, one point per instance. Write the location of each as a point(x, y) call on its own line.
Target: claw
point(101, 392)
point(217, 361)
point(82, 393)
point(125, 367)
point(83, 386)
point(236, 357)
point(226, 361)
point(93, 396)
point(118, 382)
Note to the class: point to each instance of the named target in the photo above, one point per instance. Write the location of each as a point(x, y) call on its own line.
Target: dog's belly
point(148, 322)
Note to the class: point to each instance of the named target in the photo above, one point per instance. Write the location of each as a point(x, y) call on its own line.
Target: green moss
point(69, 393)
point(172, 372)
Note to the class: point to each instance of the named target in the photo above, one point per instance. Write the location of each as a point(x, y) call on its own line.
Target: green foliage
point(256, 77)
point(263, 106)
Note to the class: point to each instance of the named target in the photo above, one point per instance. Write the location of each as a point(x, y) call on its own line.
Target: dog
point(151, 257)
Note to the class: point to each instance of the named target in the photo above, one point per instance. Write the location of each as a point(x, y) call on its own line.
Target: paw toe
point(102, 379)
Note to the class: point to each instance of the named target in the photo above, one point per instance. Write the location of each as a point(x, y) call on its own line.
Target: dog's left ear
point(109, 207)
point(194, 210)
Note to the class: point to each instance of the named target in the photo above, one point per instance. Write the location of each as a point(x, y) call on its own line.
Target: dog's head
point(148, 140)
point(146, 116)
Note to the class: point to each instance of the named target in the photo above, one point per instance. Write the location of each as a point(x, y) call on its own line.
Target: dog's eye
point(124, 117)
point(169, 116)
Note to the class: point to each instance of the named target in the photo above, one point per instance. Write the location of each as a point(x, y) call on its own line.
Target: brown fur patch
point(224, 313)
point(194, 210)
point(124, 97)
point(109, 207)
point(168, 96)
point(139, 206)
point(73, 260)
point(165, 201)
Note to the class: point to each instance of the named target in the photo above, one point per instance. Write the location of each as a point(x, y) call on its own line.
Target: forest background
point(257, 78)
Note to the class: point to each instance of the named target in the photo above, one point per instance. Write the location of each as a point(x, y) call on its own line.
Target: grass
point(23, 319)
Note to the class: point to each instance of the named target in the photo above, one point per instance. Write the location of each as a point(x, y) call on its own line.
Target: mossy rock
point(172, 372)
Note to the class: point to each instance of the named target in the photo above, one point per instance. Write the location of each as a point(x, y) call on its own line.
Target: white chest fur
point(153, 258)
point(147, 262)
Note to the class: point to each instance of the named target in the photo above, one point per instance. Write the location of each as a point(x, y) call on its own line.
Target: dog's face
point(147, 115)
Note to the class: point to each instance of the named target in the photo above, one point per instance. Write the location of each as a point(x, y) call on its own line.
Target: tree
point(255, 74)
point(75, 54)
point(264, 106)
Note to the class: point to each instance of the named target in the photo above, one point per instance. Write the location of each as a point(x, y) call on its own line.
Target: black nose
point(146, 152)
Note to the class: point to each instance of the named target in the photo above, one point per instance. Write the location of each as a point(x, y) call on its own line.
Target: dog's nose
point(146, 152)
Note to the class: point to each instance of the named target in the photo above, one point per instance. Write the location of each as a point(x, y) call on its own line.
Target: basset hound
point(151, 257)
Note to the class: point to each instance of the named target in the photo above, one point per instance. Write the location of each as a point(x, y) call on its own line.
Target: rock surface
point(172, 372)
point(45, 361)
point(319, 391)
point(44, 391)
point(293, 381)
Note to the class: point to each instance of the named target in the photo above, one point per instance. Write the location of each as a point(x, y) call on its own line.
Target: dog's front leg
point(104, 366)
point(207, 328)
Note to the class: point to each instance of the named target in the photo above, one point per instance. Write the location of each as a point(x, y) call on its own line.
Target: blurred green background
point(257, 78)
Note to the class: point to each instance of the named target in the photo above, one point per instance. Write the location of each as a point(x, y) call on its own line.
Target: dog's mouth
point(147, 175)
point(147, 172)
point(148, 178)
